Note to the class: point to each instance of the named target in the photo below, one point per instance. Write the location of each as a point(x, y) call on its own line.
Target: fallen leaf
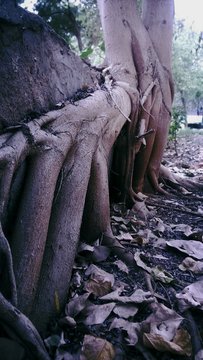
point(96, 314)
point(191, 296)
point(141, 263)
point(76, 280)
point(100, 253)
point(121, 265)
point(160, 227)
point(163, 321)
point(199, 355)
point(131, 328)
point(125, 311)
point(200, 209)
point(95, 348)
point(76, 305)
point(124, 236)
point(193, 265)
point(100, 282)
point(183, 339)
point(160, 257)
point(98, 288)
point(141, 210)
point(160, 331)
point(67, 320)
point(85, 247)
point(190, 247)
point(119, 219)
point(184, 228)
point(161, 275)
point(159, 343)
point(137, 297)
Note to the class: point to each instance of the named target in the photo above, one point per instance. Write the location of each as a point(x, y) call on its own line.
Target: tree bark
point(55, 159)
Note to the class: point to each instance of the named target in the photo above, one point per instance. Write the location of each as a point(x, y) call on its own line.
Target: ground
point(178, 216)
point(109, 326)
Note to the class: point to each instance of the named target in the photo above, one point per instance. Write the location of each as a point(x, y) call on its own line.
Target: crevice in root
point(19, 328)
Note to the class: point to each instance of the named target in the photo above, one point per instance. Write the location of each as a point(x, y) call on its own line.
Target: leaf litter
point(116, 311)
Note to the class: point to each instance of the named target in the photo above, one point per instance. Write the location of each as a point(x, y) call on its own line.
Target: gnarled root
point(177, 181)
point(19, 328)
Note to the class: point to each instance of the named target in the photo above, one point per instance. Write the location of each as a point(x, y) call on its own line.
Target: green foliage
point(178, 118)
point(188, 67)
point(62, 16)
point(77, 22)
point(86, 53)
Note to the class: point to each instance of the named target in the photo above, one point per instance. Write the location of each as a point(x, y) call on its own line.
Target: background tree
point(55, 156)
point(187, 67)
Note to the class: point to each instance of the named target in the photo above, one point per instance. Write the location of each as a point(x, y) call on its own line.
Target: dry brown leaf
point(100, 282)
point(191, 296)
point(141, 210)
point(183, 339)
point(163, 333)
point(76, 305)
point(160, 226)
point(193, 265)
point(98, 288)
point(124, 236)
point(161, 275)
point(67, 320)
point(190, 247)
point(94, 348)
point(141, 263)
point(125, 311)
point(100, 253)
point(97, 314)
point(131, 328)
point(121, 265)
point(85, 247)
point(159, 343)
point(160, 257)
point(137, 297)
point(184, 228)
point(163, 322)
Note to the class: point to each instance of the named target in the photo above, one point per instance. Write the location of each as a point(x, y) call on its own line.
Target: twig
point(147, 92)
point(145, 134)
point(175, 209)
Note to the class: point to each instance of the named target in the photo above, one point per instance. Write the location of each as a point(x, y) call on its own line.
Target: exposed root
point(178, 181)
point(197, 343)
point(7, 278)
point(19, 328)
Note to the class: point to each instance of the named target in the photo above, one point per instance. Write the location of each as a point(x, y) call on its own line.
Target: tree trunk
point(54, 176)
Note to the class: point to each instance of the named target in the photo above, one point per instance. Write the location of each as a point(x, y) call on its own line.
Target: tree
point(187, 67)
point(55, 156)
